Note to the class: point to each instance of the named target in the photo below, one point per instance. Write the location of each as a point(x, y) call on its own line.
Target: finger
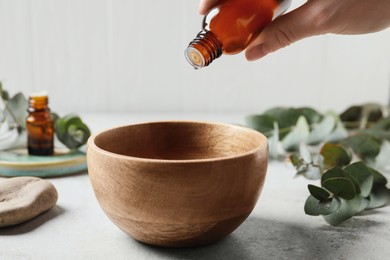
point(287, 29)
point(206, 5)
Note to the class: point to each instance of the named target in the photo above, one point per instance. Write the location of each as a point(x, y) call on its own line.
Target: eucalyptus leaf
point(8, 136)
point(318, 160)
point(261, 123)
point(305, 153)
point(365, 202)
point(363, 145)
point(352, 114)
point(347, 209)
point(360, 116)
point(72, 131)
point(308, 165)
point(296, 160)
point(335, 155)
point(314, 207)
point(18, 105)
point(334, 172)
point(337, 172)
point(370, 113)
point(298, 135)
point(319, 193)
point(341, 187)
point(312, 116)
point(276, 150)
point(3, 93)
point(2, 116)
point(322, 130)
point(301, 166)
point(379, 197)
point(286, 117)
point(339, 133)
point(379, 179)
point(380, 134)
point(311, 172)
point(381, 161)
point(363, 175)
point(54, 116)
point(383, 124)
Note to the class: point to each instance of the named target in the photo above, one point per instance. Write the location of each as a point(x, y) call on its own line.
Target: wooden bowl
point(179, 183)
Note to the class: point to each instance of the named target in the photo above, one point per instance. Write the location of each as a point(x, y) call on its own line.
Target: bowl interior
point(179, 140)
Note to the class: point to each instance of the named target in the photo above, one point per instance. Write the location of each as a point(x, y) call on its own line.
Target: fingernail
point(256, 52)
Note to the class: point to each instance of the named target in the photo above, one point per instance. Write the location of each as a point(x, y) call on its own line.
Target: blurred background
point(128, 56)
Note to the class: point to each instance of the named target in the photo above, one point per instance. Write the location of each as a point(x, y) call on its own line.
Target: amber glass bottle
point(39, 126)
point(230, 26)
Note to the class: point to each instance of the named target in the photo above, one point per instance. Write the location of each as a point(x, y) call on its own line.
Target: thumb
point(286, 29)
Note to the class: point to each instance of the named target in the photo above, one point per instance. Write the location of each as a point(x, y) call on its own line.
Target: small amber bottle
point(39, 126)
point(230, 26)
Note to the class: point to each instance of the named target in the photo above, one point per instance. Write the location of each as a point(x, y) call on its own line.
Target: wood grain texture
point(178, 184)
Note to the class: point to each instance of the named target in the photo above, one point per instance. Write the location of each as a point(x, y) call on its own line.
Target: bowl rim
point(91, 143)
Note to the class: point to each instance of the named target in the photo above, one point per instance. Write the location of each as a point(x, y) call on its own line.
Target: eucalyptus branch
point(346, 161)
point(7, 108)
point(13, 117)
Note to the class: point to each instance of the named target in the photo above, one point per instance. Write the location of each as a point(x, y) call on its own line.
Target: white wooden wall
point(127, 56)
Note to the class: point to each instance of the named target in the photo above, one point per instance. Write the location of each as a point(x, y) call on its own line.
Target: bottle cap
point(39, 94)
point(194, 57)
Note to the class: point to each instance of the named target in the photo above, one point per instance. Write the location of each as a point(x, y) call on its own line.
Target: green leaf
point(261, 123)
point(338, 134)
point(322, 130)
point(352, 114)
point(363, 175)
point(276, 150)
point(54, 116)
point(305, 153)
point(379, 134)
point(360, 116)
point(364, 204)
point(347, 209)
point(314, 207)
point(333, 173)
point(308, 165)
point(363, 145)
point(370, 113)
point(298, 135)
point(335, 155)
point(319, 193)
point(3, 93)
point(383, 124)
point(71, 131)
point(379, 179)
point(379, 196)
point(312, 116)
point(381, 161)
point(337, 172)
point(296, 160)
point(286, 117)
point(311, 172)
point(18, 105)
point(341, 187)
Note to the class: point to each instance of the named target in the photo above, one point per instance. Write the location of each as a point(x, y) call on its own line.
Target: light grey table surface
point(76, 228)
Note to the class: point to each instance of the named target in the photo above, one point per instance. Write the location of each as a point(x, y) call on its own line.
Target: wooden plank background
point(127, 56)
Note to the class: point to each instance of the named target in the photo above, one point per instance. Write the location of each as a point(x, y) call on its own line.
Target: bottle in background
point(39, 126)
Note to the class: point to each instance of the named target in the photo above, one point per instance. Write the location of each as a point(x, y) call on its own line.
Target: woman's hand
point(316, 17)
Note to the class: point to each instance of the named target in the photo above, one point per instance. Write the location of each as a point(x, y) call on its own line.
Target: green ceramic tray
point(63, 162)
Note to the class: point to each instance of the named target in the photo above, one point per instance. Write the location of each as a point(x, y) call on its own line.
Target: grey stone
point(23, 198)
